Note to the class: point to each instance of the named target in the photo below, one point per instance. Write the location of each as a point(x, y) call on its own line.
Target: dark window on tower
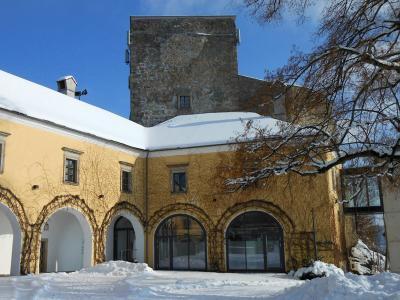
point(184, 102)
point(71, 170)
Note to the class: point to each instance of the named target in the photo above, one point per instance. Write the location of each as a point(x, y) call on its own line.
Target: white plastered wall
point(69, 239)
point(391, 203)
point(139, 236)
point(10, 242)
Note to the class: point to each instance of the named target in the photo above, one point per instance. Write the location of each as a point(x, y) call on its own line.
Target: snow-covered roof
point(30, 99)
point(204, 129)
point(33, 100)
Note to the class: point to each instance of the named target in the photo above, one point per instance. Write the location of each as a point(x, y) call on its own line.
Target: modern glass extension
point(124, 240)
point(180, 244)
point(254, 243)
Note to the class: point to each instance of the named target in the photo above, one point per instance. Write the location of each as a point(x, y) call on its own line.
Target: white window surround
point(72, 155)
point(126, 167)
point(2, 150)
point(3, 136)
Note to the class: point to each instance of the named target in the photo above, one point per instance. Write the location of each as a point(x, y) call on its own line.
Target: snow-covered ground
point(120, 280)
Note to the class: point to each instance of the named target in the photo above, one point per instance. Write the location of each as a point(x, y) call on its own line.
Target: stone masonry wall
point(182, 56)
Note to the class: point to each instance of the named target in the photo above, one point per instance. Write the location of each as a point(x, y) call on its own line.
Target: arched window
point(254, 242)
point(180, 243)
point(124, 240)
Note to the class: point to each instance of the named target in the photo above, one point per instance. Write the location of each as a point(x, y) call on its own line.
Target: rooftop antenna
point(81, 93)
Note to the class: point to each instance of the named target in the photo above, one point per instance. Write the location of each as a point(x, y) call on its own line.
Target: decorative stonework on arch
point(9, 199)
point(196, 212)
point(177, 208)
point(274, 210)
point(260, 205)
point(110, 215)
point(59, 202)
point(12, 202)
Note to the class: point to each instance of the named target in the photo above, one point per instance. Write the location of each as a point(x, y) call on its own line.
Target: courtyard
point(122, 280)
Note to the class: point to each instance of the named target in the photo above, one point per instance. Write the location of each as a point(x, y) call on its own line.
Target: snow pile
point(318, 269)
point(117, 268)
point(348, 286)
point(364, 261)
point(121, 280)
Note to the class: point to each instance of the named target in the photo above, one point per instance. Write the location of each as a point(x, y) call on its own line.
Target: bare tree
point(348, 106)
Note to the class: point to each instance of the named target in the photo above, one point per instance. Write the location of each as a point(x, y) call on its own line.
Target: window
point(3, 136)
point(126, 181)
point(2, 144)
point(184, 102)
point(179, 182)
point(180, 244)
point(361, 193)
point(61, 84)
point(126, 177)
point(71, 170)
point(254, 242)
point(370, 228)
point(71, 165)
point(124, 240)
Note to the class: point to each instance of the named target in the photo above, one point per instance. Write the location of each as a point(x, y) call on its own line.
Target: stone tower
point(182, 65)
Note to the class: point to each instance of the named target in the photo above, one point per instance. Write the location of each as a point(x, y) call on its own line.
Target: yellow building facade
point(72, 197)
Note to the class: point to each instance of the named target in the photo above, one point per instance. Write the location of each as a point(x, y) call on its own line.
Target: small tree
point(348, 108)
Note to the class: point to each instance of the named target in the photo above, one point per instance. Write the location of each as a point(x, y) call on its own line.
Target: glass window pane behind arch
point(254, 243)
point(181, 244)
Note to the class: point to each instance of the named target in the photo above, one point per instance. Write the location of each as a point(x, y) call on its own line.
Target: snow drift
point(123, 280)
point(347, 287)
point(117, 268)
point(318, 269)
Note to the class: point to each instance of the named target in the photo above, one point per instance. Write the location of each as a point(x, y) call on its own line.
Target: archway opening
point(254, 243)
point(66, 242)
point(180, 244)
point(125, 238)
point(10, 242)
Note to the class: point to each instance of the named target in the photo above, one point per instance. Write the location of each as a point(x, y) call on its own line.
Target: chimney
point(67, 85)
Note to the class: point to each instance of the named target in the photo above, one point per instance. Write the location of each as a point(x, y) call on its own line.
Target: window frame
point(70, 154)
point(126, 167)
point(175, 170)
point(159, 235)
point(62, 85)
point(356, 172)
point(274, 228)
point(2, 154)
point(3, 136)
point(189, 98)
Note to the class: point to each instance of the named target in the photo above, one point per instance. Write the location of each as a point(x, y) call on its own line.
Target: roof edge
point(183, 17)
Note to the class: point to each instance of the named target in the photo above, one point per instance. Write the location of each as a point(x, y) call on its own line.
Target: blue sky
point(43, 40)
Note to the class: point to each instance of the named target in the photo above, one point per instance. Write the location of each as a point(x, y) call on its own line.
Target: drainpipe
point(146, 205)
point(314, 235)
